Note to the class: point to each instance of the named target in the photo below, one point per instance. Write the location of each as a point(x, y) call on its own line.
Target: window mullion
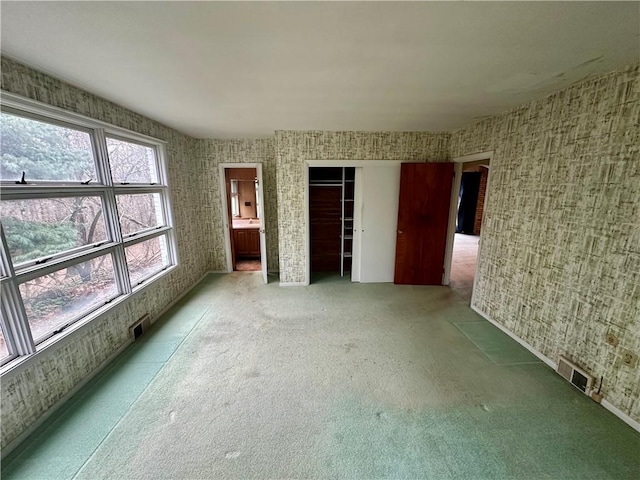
point(166, 203)
point(14, 317)
point(18, 333)
point(24, 275)
point(111, 214)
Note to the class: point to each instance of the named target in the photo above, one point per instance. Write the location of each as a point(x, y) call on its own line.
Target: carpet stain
point(231, 455)
point(349, 346)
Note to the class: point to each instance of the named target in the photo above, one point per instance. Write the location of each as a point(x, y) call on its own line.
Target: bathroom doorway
point(244, 226)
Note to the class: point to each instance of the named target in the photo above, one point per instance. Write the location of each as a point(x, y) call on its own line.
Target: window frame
point(13, 319)
point(235, 199)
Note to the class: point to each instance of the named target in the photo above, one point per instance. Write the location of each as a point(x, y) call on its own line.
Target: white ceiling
point(239, 69)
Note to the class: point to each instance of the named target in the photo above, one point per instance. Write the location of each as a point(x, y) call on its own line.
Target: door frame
point(339, 164)
point(453, 213)
point(225, 214)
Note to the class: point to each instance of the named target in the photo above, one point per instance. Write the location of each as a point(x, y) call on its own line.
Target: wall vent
point(141, 326)
point(575, 375)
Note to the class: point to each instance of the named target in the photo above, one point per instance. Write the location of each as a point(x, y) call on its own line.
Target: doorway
point(242, 199)
point(331, 217)
point(467, 213)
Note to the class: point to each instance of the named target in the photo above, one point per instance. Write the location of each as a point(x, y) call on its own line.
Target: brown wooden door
point(423, 217)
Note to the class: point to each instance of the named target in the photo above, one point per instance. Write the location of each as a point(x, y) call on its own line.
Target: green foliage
point(43, 151)
point(49, 302)
point(29, 240)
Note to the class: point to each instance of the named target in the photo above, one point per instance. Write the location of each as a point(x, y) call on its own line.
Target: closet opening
point(331, 220)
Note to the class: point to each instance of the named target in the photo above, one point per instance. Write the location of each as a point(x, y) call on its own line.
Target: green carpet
point(495, 344)
point(334, 380)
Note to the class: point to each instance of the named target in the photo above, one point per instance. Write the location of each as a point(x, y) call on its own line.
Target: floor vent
point(141, 326)
point(575, 375)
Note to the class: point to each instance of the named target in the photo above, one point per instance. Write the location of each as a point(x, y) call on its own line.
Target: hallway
point(463, 264)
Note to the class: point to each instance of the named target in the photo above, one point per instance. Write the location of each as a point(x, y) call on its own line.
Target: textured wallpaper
point(30, 393)
point(561, 239)
point(293, 148)
point(240, 151)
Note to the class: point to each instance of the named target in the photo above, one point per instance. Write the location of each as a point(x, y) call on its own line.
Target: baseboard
point(613, 409)
point(537, 353)
point(293, 284)
point(78, 386)
point(621, 415)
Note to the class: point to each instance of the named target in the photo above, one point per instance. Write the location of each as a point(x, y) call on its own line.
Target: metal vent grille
point(575, 375)
point(141, 326)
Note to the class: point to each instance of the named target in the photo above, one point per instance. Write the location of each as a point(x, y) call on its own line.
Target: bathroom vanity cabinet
point(247, 242)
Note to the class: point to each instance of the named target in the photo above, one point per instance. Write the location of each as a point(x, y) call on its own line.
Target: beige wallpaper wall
point(561, 238)
point(294, 148)
point(239, 151)
point(27, 395)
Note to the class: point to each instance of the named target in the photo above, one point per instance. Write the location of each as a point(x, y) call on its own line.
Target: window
point(235, 203)
point(85, 221)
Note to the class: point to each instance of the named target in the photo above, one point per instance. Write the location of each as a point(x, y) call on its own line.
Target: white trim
point(263, 225)
point(474, 157)
point(538, 354)
point(307, 228)
point(621, 415)
point(453, 210)
point(225, 218)
point(358, 163)
point(78, 386)
point(225, 213)
point(550, 363)
point(358, 206)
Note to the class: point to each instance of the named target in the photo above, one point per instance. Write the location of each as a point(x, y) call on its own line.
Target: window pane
point(131, 162)
point(44, 151)
point(4, 351)
point(52, 301)
point(39, 227)
point(146, 258)
point(139, 212)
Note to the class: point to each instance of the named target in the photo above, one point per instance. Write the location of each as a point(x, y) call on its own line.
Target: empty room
point(351, 240)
